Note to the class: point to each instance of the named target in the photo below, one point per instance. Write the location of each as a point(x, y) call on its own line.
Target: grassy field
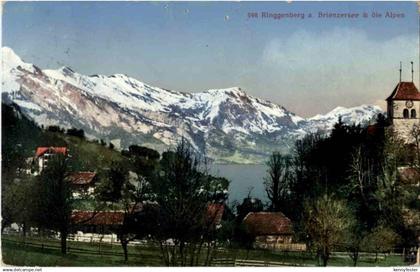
point(43, 252)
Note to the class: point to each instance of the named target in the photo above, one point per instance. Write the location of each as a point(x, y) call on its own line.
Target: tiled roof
point(81, 178)
point(409, 174)
point(55, 150)
point(215, 213)
point(214, 216)
point(268, 223)
point(98, 218)
point(405, 91)
point(371, 129)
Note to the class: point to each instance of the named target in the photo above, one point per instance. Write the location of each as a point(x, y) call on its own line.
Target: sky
point(308, 65)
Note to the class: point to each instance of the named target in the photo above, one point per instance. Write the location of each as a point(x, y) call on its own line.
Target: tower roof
point(405, 91)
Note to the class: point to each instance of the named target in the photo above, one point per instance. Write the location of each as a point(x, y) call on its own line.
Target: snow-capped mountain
point(358, 115)
point(225, 124)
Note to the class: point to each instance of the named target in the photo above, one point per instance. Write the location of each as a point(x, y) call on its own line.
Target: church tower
point(404, 109)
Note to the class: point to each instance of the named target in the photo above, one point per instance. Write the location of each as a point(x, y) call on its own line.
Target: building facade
point(43, 155)
point(83, 183)
point(403, 108)
point(270, 229)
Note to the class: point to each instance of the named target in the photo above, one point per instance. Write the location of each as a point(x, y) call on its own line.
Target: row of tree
point(174, 193)
point(342, 190)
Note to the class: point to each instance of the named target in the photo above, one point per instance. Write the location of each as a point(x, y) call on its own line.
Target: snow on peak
point(342, 111)
point(118, 76)
point(11, 69)
point(9, 56)
point(102, 104)
point(355, 115)
point(11, 60)
point(66, 70)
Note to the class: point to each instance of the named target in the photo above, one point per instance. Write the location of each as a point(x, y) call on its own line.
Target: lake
point(242, 177)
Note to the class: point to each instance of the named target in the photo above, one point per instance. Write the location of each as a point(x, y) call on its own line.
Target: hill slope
point(17, 146)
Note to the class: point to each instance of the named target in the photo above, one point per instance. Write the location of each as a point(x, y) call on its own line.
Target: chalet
point(83, 183)
point(104, 225)
point(44, 154)
point(92, 226)
point(270, 229)
point(97, 222)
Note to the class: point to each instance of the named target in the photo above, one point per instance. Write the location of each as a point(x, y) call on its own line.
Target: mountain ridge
point(227, 125)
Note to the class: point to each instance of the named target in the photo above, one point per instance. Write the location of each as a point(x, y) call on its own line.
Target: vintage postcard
point(220, 134)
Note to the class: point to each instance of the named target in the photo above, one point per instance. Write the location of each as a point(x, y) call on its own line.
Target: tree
point(381, 239)
point(19, 202)
point(360, 176)
point(354, 239)
point(363, 179)
point(16, 147)
point(388, 193)
point(112, 182)
point(56, 198)
point(183, 192)
point(128, 193)
point(55, 129)
point(327, 221)
point(140, 217)
point(144, 160)
point(138, 192)
point(415, 134)
point(241, 234)
point(249, 204)
point(277, 184)
point(76, 132)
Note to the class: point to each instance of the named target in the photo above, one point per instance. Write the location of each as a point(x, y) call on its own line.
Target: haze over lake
point(242, 177)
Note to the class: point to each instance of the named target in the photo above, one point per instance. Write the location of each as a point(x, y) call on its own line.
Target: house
point(97, 222)
point(409, 175)
point(90, 226)
point(214, 215)
point(403, 106)
point(44, 154)
point(83, 183)
point(270, 229)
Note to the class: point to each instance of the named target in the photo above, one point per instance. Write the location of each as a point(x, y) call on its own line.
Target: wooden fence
point(255, 263)
point(294, 247)
point(106, 250)
point(70, 248)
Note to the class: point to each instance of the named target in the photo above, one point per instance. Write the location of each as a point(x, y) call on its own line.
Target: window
point(405, 113)
point(413, 113)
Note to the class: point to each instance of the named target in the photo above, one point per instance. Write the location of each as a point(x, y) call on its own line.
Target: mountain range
point(227, 125)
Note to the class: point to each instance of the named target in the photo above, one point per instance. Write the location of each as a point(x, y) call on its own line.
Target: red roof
point(409, 174)
point(54, 150)
point(268, 223)
point(371, 129)
point(215, 213)
point(98, 218)
point(405, 91)
point(81, 178)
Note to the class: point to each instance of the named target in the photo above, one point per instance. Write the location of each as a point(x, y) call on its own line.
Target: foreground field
point(42, 252)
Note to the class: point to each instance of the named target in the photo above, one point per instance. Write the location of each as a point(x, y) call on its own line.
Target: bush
point(380, 240)
point(76, 132)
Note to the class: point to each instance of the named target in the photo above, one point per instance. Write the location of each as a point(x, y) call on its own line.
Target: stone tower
point(404, 109)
